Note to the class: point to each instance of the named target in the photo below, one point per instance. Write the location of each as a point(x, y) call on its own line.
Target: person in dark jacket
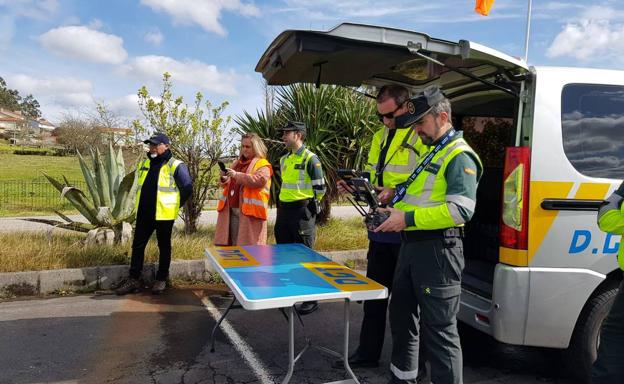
point(164, 185)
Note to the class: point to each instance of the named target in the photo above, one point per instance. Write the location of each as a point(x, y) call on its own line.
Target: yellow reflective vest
point(296, 182)
point(611, 220)
point(428, 190)
point(168, 195)
point(401, 158)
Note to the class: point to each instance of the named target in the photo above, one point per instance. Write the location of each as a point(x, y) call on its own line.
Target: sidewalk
point(17, 224)
point(103, 278)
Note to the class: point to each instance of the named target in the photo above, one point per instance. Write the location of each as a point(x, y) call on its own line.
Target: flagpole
point(528, 31)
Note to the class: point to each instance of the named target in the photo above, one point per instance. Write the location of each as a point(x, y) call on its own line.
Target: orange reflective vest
point(255, 201)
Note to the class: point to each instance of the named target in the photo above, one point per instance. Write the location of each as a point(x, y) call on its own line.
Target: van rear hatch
point(356, 54)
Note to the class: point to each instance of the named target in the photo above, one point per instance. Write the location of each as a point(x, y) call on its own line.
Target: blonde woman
point(244, 204)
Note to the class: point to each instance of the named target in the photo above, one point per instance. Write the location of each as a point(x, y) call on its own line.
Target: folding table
point(280, 275)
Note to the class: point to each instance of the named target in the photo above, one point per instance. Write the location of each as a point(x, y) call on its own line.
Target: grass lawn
point(30, 168)
point(31, 251)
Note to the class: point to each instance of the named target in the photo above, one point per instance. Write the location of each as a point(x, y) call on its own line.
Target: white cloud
point(126, 106)
point(154, 37)
point(193, 72)
point(7, 30)
point(63, 91)
point(32, 9)
point(84, 43)
point(205, 13)
point(589, 40)
point(95, 24)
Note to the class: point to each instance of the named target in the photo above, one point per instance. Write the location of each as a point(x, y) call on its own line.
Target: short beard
point(428, 140)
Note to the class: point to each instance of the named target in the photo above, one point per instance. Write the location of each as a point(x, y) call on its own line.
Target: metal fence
point(20, 195)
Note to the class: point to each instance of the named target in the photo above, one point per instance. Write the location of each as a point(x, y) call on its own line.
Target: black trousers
point(142, 233)
point(609, 366)
point(382, 259)
point(295, 225)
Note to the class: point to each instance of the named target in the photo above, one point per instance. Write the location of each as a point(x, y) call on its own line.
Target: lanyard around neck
point(401, 189)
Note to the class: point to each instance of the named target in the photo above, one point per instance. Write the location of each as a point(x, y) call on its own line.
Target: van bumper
point(534, 306)
point(504, 316)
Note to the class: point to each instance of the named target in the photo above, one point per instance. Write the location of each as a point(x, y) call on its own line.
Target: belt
point(293, 204)
point(410, 236)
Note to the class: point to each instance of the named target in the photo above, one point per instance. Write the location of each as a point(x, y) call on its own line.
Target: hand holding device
point(222, 166)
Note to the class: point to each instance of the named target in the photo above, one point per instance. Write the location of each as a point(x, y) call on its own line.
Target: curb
point(103, 278)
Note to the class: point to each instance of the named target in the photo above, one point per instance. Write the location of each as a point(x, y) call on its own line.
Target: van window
point(592, 118)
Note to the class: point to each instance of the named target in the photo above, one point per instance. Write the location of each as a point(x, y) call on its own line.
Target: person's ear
point(444, 118)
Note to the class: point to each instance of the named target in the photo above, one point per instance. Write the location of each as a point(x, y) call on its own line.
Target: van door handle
point(571, 204)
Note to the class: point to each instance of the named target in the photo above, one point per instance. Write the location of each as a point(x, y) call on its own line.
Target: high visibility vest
point(296, 182)
point(401, 158)
point(611, 220)
point(168, 195)
point(429, 187)
point(255, 202)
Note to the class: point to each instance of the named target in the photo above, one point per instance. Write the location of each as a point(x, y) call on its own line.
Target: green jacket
point(611, 218)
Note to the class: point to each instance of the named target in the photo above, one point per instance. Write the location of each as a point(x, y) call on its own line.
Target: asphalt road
point(18, 224)
point(164, 339)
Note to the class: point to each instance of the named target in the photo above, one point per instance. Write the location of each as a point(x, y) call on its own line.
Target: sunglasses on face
point(389, 115)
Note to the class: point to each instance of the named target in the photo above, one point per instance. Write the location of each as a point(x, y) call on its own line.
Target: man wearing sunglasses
point(393, 156)
point(431, 208)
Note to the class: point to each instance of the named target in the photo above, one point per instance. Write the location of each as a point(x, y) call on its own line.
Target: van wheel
point(583, 348)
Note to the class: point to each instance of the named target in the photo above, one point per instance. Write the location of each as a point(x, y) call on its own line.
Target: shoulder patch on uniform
point(317, 164)
point(470, 171)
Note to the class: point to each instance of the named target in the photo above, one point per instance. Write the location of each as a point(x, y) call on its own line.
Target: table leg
point(345, 351)
point(214, 329)
point(291, 345)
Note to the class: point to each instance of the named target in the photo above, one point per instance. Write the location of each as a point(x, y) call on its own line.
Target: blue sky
point(72, 53)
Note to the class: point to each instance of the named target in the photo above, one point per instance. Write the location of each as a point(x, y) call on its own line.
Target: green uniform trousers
point(423, 308)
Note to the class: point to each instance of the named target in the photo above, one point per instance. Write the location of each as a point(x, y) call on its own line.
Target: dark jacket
point(147, 202)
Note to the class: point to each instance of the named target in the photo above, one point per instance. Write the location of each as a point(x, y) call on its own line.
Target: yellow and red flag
point(483, 6)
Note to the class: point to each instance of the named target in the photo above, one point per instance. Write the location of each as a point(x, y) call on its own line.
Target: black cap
point(157, 138)
point(293, 126)
point(419, 106)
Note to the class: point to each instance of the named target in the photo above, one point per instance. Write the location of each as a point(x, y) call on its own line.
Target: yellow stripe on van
point(512, 256)
point(540, 220)
point(592, 191)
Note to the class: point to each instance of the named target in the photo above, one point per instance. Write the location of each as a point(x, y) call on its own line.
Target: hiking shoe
point(130, 285)
point(159, 287)
point(307, 307)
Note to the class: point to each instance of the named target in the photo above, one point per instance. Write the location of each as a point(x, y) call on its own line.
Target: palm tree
point(340, 123)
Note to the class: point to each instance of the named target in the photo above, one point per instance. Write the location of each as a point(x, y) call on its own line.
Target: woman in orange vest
point(244, 204)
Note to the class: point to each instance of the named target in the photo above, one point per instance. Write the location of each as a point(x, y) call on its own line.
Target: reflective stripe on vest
point(167, 195)
point(429, 188)
point(255, 201)
point(402, 156)
point(296, 183)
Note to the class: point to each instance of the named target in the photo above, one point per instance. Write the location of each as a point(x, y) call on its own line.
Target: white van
point(538, 270)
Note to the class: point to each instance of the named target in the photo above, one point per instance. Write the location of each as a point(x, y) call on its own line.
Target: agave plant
point(109, 208)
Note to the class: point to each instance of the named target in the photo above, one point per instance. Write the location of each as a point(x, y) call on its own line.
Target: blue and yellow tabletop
point(280, 275)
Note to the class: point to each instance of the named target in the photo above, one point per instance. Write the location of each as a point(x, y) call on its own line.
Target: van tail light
point(515, 216)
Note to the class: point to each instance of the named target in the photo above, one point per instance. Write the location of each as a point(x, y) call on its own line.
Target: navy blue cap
point(293, 126)
point(157, 138)
point(419, 106)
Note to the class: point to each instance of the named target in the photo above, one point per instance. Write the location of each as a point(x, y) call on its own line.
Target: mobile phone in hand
point(222, 166)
